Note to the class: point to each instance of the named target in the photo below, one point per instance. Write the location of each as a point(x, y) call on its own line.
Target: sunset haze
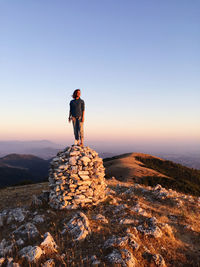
point(137, 64)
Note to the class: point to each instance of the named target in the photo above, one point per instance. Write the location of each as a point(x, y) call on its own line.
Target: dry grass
point(125, 168)
point(181, 247)
point(17, 196)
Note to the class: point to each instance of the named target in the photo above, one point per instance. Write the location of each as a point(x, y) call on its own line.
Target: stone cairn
point(76, 178)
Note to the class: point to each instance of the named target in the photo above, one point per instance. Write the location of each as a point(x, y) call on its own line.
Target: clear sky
point(137, 64)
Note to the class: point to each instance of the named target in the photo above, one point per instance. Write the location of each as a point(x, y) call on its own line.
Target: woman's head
point(76, 93)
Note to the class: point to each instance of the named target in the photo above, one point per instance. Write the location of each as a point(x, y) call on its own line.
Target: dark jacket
point(77, 106)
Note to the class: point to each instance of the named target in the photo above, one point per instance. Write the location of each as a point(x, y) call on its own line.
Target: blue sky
point(137, 64)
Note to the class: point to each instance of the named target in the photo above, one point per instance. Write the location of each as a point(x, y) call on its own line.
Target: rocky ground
point(135, 226)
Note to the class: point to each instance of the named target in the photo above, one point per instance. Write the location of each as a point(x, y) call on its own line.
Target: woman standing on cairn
point(76, 114)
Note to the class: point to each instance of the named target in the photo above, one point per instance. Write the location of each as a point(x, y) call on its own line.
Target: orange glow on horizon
point(102, 132)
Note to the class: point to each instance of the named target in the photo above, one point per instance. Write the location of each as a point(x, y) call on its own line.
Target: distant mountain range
point(42, 148)
point(16, 169)
point(24, 162)
point(46, 149)
point(20, 168)
point(187, 159)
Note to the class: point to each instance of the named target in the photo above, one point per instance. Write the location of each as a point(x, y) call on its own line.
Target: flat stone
point(83, 172)
point(28, 230)
point(20, 242)
point(67, 197)
point(151, 229)
point(101, 218)
point(5, 247)
point(49, 245)
point(11, 263)
point(72, 161)
point(128, 221)
point(85, 177)
point(84, 183)
point(38, 219)
point(122, 257)
point(74, 168)
point(85, 159)
point(74, 153)
point(17, 214)
point(63, 167)
point(158, 260)
point(115, 257)
point(115, 241)
point(78, 226)
point(79, 197)
point(32, 254)
point(2, 259)
point(83, 187)
point(49, 263)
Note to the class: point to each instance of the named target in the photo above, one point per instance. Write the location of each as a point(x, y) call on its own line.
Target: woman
point(76, 114)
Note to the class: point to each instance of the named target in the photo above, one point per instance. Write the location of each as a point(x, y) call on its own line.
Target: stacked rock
point(76, 178)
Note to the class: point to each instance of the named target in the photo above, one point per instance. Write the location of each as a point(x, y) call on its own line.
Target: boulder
point(31, 254)
point(78, 226)
point(48, 245)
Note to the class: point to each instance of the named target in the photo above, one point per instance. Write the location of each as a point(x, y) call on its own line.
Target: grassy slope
point(172, 175)
point(184, 179)
point(178, 248)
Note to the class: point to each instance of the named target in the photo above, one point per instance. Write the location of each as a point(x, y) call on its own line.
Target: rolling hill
point(21, 168)
point(151, 170)
point(138, 167)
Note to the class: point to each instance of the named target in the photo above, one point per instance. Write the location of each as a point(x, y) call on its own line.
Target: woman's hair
point(75, 93)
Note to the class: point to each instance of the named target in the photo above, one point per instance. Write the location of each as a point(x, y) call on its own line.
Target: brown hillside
point(126, 167)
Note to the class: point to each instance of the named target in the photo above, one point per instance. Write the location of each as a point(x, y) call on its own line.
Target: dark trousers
point(78, 127)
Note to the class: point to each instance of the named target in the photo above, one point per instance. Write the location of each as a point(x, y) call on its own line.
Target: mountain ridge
point(151, 170)
point(129, 166)
point(22, 168)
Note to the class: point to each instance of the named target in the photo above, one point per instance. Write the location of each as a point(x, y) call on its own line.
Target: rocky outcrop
point(49, 263)
point(76, 178)
point(26, 231)
point(100, 218)
point(78, 226)
point(150, 228)
point(48, 245)
point(31, 254)
point(136, 226)
point(12, 216)
point(121, 257)
point(157, 259)
point(9, 262)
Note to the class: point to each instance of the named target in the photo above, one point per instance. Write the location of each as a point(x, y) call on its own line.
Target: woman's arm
point(83, 110)
point(70, 113)
point(70, 117)
point(83, 115)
